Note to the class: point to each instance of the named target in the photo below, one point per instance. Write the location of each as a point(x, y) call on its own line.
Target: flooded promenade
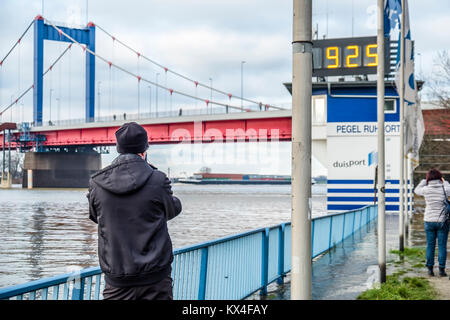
point(47, 232)
point(347, 270)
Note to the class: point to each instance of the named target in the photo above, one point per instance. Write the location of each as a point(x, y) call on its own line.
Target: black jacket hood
point(126, 174)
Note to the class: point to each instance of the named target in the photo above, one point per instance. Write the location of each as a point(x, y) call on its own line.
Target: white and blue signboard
point(352, 147)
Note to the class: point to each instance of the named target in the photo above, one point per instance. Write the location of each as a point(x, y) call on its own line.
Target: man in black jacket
point(131, 201)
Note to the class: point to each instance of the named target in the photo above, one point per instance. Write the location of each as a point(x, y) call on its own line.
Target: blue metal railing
point(233, 267)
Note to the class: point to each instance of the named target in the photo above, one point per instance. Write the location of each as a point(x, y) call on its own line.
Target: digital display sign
point(347, 56)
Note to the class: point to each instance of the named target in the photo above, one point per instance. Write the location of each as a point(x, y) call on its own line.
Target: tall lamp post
point(50, 106)
point(242, 83)
point(211, 81)
point(301, 151)
point(58, 109)
point(150, 100)
point(98, 93)
point(10, 109)
point(156, 94)
point(381, 145)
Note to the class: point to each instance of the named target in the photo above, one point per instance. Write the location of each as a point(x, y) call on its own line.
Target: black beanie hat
point(131, 138)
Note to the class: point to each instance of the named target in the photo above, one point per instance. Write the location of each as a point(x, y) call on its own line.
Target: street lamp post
point(156, 94)
point(10, 109)
point(150, 100)
point(301, 151)
point(242, 83)
point(58, 111)
point(50, 105)
point(98, 92)
point(381, 145)
point(211, 80)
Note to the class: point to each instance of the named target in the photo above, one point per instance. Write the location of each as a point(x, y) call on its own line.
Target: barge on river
point(235, 178)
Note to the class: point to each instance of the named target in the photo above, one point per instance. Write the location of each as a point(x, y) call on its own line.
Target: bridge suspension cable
point(139, 77)
point(16, 43)
point(32, 86)
point(196, 83)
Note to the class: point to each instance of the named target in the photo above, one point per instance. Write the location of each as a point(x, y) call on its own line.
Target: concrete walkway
point(416, 238)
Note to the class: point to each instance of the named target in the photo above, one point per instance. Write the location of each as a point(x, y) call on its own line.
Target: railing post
point(203, 273)
point(265, 262)
point(353, 225)
point(281, 254)
point(360, 218)
point(331, 232)
point(343, 228)
point(313, 227)
point(78, 289)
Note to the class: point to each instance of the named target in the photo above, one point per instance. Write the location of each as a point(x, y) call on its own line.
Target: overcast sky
point(201, 39)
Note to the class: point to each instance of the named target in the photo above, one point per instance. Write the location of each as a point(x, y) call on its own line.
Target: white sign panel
point(361, 129)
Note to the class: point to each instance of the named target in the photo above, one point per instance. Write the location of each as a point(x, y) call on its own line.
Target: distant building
point(435, 149)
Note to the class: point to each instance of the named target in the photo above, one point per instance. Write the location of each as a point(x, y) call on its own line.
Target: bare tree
point(439, 81)
point(16, 164)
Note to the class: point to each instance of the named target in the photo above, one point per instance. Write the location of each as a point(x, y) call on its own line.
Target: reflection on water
point(44, 232)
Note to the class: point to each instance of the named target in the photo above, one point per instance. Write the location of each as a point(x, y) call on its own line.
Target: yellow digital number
point(372, 55)
point(352, 56)
point(334, 57)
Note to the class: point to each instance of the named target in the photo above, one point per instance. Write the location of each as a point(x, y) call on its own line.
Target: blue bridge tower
point(43, 31)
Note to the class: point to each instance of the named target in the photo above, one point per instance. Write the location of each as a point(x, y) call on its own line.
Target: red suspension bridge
point(185, 114)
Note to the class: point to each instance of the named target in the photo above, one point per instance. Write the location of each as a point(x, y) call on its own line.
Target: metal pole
point(156, 94)
point(10, 109)
point(381, 145)
point(9, 156)
point(50, 105)
point(211, 80)
point(353, 16)
point(242, 83)
point(150, 101)
point(4, 156)
point(406, 205)
point(87, 10)
point(139, 99)
point(58, 109)
point(301, 151)
point(411, 185)
point(401, 224)
point(98, 92)
point(410, 190)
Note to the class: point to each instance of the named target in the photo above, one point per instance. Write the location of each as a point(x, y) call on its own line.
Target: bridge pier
point(59, 169)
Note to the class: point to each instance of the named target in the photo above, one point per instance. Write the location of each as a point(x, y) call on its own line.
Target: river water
point(46, 232)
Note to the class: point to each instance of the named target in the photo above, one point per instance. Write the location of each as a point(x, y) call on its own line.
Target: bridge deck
point(248, 126)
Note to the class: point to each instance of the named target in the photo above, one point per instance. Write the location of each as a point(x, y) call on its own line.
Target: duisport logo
point(349, 163)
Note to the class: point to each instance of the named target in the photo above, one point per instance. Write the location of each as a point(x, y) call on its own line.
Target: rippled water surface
point(46, 232)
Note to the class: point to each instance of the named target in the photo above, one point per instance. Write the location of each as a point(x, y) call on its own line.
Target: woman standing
point(432, 189)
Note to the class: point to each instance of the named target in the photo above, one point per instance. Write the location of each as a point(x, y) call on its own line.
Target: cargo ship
point(235, 178)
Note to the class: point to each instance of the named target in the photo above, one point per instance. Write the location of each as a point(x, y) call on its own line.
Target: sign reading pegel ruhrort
point(347, 56)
